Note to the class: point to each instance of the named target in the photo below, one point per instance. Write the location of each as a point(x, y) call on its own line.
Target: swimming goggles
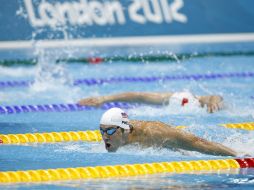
point(109, 131)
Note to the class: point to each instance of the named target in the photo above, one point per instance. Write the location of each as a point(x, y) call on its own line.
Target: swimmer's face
point(112, 141)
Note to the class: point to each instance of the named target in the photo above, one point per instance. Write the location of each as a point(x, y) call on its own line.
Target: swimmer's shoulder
point(139, 123)
point(136, 123)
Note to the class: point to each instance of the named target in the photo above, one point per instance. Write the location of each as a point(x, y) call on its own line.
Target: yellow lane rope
point(116, 171)
point(244, 126)
point(51, 137)
point(54, 137)
point(83, 135)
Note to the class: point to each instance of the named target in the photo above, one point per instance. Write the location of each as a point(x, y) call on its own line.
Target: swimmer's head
point(184, 99)
point(113, 124)
point(115, 116)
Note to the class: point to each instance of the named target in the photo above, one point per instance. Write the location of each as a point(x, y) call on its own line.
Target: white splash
point(53, 80)
point(167, 110)
point(82, 147)
point(243, 144)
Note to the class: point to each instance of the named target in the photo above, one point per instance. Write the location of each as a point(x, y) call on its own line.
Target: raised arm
point(191, 142)
point(140, 97)
point(213, 103)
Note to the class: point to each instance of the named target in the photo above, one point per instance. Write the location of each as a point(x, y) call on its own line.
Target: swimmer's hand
point(94, 101)
point(213, 103)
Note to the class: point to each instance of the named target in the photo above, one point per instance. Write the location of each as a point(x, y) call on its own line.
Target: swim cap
point(115, 116)
point(184, 98)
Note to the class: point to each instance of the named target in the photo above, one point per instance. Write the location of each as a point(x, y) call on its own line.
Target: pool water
point(53, 83)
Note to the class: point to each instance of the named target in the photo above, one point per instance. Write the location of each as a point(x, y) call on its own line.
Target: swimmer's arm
point(213, 103)
point(191, 142)
point(139, 97)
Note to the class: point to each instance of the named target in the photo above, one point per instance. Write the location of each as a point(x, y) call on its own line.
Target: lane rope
point(90, 135)
point(93, 136)
point(126, 170)
point(16, 109)
point(163, 57)
point(244, 126)
point(95, 81)
point(51, 137)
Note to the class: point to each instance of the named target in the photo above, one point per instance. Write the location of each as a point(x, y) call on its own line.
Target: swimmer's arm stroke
point(156, 98)
point(188, 141)
point(213, 102)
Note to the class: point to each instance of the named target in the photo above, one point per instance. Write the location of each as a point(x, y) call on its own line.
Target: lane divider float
point(147, 58)
point(244, 126)
point(126, 170)
point(93, 136)
point(51, 137)
point(16, 109)
point(146, 79)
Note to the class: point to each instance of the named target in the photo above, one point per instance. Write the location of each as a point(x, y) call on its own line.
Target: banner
point(25, 20)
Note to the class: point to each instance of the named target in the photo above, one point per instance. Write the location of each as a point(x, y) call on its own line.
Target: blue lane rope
point(94, 81)
point(15, 109)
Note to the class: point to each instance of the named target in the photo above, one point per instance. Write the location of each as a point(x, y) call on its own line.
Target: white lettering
point(48, 14)
point(33, 20)
point(155, 17)
point(92, 12)
point(143, 11)
point(82, 12)
point(133, 12)
point(98, 13)
point(115, 7)
point(75, 13)
point(167, 14)
point(65, 13)
point(178, 4)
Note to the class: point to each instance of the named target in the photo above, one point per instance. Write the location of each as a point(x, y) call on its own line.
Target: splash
point(242, 143)
point(232, 110)
point(243, 181)
point(51, 80)
point(50, 76)
point(167, 110)
point(81, 147)
point(135, 149)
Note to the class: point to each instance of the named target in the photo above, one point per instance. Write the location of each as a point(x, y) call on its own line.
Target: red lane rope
point(246, 162)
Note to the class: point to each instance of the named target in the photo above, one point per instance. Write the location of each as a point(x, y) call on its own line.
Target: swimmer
point(117, 130)
point(213, 102)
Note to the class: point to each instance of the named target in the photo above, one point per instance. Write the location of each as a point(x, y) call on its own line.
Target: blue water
point(53, 85)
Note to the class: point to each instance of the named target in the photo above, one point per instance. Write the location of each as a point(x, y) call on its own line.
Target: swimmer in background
point(118, 131)
point(213, 102)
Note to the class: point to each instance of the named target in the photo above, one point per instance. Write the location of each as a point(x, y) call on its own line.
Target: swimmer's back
point(152, 133)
